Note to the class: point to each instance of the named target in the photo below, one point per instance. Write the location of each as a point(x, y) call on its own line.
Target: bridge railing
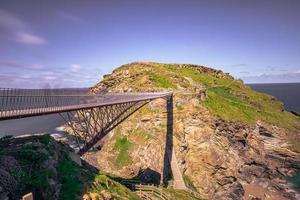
point(15, 103)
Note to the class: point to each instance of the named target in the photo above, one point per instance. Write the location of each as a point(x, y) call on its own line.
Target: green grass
point(179, 107)
point(72, 186)
point(204, 78)
point(160, 81)
point(233, 101)
point(123, 145)
point(118, 191)
point(75, 180)
point(180, 194)
point(228, 99)
point(140, 135)
point(189, 183)
point(31, 154)
point(225, 103)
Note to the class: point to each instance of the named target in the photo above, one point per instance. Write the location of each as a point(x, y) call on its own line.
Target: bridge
point(90, 116)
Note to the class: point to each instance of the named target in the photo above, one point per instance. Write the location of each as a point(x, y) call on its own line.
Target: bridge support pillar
point(167, 169)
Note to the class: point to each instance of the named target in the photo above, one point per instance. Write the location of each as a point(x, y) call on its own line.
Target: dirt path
point(178, 179)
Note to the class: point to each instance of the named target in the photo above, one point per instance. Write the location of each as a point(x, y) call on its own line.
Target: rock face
point(227, 138)
point(40, 165)
point(36, 161)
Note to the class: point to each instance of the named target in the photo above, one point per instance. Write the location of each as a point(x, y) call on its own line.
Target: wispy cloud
point(245, 72)
point(50, 77)
point(75, 67)
point(14, 28)
point(30, 39)
point(15, 64)
point(71, 17)
point(239, 65)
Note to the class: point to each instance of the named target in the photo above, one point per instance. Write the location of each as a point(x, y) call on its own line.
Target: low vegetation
point(228, 98)
point(189, 183)
point(40, 165)
point(71, 183)
point(180, 194)
point(160, 81)
point(114, 189)
point(122, 146)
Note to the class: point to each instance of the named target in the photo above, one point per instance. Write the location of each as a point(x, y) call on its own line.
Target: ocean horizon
point(288, 93)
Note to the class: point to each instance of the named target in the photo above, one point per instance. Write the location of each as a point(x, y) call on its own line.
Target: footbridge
point(91, 116)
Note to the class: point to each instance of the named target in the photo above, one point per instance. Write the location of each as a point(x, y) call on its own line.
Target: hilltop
point(228, 98)
point(230, 141)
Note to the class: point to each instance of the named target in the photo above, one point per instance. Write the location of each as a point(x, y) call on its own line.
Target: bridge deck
point(20, 103)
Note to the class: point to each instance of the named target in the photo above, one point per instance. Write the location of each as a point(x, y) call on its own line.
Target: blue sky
point(73, 43)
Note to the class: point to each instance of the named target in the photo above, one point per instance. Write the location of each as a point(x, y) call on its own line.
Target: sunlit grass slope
point(228, 98)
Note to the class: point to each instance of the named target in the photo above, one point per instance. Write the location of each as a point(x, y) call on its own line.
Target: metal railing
point(151, 191)
point(18, 103)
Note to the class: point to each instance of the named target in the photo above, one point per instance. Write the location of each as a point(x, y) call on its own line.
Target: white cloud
point(273, 78)
point(30, 39)
point(50, 77)
point(245, 72)
point(298, 72)
point(239, 65)
point(22, 65)
point(75, 67)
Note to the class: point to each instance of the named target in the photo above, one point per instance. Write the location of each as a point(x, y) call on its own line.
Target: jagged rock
point(231, 189)
point(263, 131)
point(254, 198)
point(249, 171)
point(183, 147)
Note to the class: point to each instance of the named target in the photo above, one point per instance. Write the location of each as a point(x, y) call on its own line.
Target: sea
point(288, 93)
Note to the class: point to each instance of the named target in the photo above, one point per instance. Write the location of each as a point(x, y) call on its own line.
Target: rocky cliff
point(230, 141)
